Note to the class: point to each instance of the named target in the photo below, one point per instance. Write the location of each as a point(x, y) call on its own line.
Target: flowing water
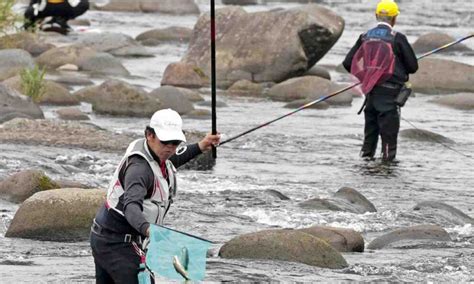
point(310, 154)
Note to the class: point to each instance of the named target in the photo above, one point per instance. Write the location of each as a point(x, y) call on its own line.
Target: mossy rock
point(22, 185)
point(286, 245)
point(57, 215)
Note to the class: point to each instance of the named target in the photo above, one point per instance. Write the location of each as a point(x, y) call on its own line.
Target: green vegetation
point(32, 83)
point(7, 16)
point(45, 183)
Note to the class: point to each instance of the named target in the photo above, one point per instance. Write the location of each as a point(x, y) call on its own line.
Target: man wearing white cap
point(140, 194)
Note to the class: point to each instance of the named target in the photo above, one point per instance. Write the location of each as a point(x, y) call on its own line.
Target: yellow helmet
point(387, 8)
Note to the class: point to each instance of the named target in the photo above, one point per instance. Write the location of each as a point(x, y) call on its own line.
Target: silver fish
point(181, 264)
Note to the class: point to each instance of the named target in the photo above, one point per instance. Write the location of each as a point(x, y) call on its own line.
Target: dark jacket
point(405, 58)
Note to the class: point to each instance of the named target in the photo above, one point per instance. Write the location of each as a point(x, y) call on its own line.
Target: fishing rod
point(213, 74)
point(336, 93)
point(292, 112)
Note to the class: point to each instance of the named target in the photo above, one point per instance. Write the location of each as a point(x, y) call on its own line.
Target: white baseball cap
point(167, 124)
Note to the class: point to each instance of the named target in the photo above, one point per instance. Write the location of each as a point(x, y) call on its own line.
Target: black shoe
point(55, 25)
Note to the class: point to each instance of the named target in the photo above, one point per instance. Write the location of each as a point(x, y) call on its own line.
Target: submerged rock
point(277, 194)
point(170, 34)
point(57, 215)
point(245, 88)
point(411, 235)
point(463, 101)
point(286, 245)
point(345, 199)
point(20, 186)
point(424, 136)
point(343, 240)
point(149, 6)
point(444, 211)
point(114, 43)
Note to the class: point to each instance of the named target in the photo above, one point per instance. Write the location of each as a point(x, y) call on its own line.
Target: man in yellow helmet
point(382, 59)
point(52, 15)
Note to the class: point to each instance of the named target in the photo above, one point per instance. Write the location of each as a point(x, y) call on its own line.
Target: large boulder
point(269, 46)
point(463, 101)
point(438, 76)
point(20, 186)
point(345, 199)
point(444, 211)
point(174, 98)
point(410, 237)
point(343, 240)
point(116, 97)
point(57, 215)
point(430, 41)
point(13, 61)
point(286, 245)
point(161, 6)
point(16, 105)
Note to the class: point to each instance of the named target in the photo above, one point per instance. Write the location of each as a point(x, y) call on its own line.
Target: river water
point(310, 154)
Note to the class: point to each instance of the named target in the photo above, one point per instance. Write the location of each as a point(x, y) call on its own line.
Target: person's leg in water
point(389, 123)
point(371, 132)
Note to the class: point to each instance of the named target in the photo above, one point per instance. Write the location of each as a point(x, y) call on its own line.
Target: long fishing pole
point(290, 113)
point(444, 46)
point(213, 74)
point(335, 93)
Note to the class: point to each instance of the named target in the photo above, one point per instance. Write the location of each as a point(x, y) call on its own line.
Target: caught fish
point(181, 264)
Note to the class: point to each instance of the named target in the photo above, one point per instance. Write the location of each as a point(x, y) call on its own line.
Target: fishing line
point(336, 93)
point(435, 139)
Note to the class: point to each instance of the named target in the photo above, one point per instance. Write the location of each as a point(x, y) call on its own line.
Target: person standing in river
point(52, 15)
point(388, 59)
point(140, 194)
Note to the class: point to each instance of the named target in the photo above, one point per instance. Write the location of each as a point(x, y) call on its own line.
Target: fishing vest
point(156, 205)
point(374, 61)
point(380, 32)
